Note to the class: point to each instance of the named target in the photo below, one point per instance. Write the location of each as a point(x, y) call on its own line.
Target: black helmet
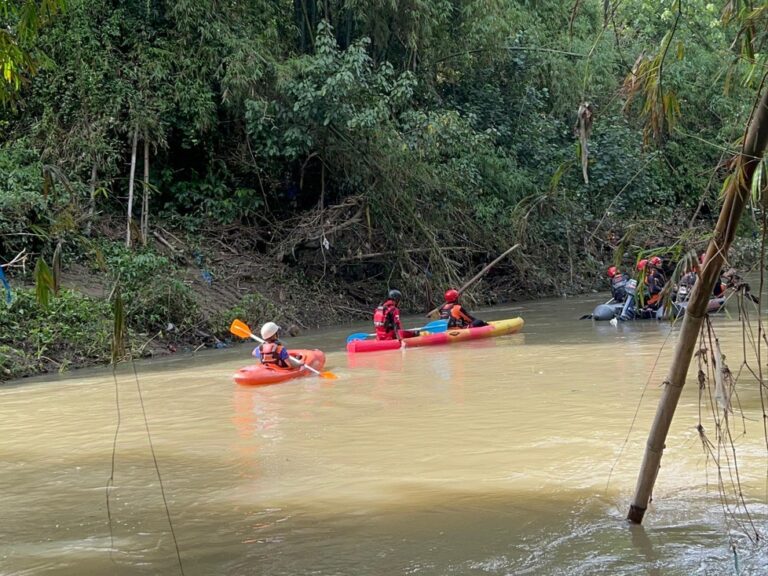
point(394, 295)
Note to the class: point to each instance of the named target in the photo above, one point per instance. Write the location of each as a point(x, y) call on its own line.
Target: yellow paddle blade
point(328, 376)
point(240, 328)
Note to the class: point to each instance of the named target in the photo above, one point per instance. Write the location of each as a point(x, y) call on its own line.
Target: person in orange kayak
point(455, 313)
point(272, 351)
point(386, 319)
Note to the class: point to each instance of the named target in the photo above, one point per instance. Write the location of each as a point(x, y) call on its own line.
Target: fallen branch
point(372, 255)
point(165, 242)
point(477, 276)
point(18, 261)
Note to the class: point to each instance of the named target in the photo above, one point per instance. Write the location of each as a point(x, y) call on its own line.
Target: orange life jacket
point(456, 317)
point(271, 352)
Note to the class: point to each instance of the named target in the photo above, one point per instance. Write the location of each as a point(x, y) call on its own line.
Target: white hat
point(269, 329)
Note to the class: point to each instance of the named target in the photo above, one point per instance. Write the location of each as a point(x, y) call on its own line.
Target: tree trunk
point(736, 196)
point(298, 11)
point(91, 199)
point(145, 198)
point(131, 180)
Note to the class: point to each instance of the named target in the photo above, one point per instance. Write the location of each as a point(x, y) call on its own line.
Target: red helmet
point(655, 261)
point(641, 264)
point(451, 295)
point(612, 271)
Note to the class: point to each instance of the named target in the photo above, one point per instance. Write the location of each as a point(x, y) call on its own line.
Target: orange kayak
point(258, 374)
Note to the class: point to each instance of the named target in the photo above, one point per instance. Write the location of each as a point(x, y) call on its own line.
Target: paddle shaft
point(479, 275)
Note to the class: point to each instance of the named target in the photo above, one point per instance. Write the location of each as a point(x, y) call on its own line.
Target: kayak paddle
point(240, 328)
point(433, 327)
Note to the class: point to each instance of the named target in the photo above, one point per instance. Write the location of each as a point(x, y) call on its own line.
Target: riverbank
point(180, 294)
point(179, 299)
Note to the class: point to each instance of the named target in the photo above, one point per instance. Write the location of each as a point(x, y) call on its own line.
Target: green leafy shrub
point(23, 206)
point(153, 296)
point(73, 329)
point(254, 309)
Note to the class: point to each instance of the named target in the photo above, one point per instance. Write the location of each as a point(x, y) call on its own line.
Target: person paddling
point(272, 351)
point(456, 314)
point(386, 319)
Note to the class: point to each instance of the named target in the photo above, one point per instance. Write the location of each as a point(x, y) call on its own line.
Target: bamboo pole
point(145, 197)
point(130, 187)
point(92, 198)
point(736, 197)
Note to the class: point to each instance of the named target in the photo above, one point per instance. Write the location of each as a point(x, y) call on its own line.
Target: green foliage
point(153, 295)
point(20, 23)
point(255, 309)
point(24, 209)
point(447, 127)
point(44, 285)
point(72, 329)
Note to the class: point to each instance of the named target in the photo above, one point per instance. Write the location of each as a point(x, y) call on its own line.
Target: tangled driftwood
point(316, 228)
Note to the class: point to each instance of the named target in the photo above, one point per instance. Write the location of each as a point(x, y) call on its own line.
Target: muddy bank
point(180, 295)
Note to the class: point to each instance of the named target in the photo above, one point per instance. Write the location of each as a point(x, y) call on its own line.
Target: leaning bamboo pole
point(131, 180)
point(736, 196)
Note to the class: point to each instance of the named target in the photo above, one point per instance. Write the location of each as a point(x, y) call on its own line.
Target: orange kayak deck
point(260, 374)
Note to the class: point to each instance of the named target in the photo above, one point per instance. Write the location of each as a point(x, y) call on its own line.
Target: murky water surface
point(510, 456)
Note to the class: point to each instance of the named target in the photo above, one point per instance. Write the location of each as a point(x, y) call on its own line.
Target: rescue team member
point(386, 319)
point(654, 281)
point(455, 313)
point(272, 350)
point(618, 284)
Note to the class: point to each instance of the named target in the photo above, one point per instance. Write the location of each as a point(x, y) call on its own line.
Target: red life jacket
point(270, 354)
point(384, 320)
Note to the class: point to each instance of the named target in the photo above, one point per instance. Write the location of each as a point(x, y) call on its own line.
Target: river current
point(516, 455)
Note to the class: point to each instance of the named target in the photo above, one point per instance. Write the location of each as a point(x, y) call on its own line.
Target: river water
point(517, 455)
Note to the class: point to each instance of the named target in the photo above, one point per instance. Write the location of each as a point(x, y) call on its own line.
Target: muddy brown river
point(517, 455)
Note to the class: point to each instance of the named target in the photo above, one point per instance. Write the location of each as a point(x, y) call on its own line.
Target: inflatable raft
point(497, 328)
point(258, 374)
point(618, 310)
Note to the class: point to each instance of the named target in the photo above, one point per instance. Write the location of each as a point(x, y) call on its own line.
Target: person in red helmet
point(386, 319)
point(618, 284)
point(455, 313)
point(654, 281)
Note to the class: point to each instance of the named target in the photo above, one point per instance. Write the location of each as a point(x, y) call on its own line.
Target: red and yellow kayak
point(258, 374)
point(497, 328)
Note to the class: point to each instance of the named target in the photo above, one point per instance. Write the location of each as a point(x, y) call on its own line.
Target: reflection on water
point(488, 457)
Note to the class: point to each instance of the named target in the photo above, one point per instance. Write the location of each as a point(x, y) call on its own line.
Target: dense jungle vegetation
point(292, 160)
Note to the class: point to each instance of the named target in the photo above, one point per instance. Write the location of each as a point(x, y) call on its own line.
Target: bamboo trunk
point(130, 187)
point(736, 197)
point(91, 199)
point(145, 198)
